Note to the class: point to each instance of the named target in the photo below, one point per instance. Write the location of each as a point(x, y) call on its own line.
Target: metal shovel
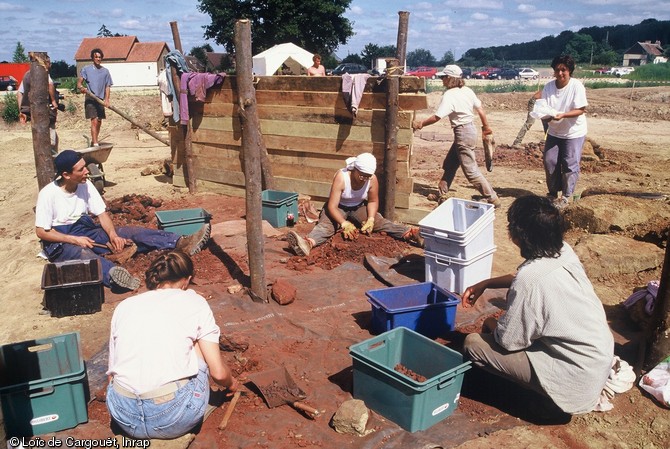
point(278, 388)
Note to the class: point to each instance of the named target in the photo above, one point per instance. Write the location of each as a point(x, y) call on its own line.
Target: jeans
point(462, 154)
point(145, 239)
point(161, 418)
point(561, 164)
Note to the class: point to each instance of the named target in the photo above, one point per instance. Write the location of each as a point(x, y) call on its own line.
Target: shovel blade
point(277, 387)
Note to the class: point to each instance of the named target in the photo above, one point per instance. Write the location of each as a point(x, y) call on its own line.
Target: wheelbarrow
point(94, 157)
point(278, 388)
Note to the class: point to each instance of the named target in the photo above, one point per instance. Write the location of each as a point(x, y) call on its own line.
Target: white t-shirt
point(56, 207)
point(21, 88)
point(572, 96)
point(152, 338)
point(458, 104)
point(349, 197)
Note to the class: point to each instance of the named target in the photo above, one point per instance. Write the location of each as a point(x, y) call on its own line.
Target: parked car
point(423, 72)
point(482, 74)
point(467, 73)
point(602, 71)
point(350, 68)
point(507, 74)
point(621, 71)
point(494, 73)
point(8, 83)
point(528, 73)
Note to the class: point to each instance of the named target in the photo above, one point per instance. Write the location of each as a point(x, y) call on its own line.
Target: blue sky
point(58, 27)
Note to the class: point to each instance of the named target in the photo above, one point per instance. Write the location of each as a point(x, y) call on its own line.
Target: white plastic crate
point(457, 219)
point(478, 239)
point(454, 274)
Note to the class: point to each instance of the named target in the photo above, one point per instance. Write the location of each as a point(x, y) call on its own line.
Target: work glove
point(489, 146)
point(349, 230)
point(368, 226)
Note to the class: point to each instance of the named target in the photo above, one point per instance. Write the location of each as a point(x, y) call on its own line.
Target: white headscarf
point(364, 162)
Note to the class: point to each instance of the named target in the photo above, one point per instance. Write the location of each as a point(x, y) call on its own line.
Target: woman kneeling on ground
point(554, 337)
point(353, 201)
point(163, 346)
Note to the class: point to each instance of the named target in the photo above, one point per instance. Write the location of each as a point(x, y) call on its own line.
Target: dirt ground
point(629, 130)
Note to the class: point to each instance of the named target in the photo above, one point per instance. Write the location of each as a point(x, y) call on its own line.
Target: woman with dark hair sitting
point(164, 345)
point(554, 337)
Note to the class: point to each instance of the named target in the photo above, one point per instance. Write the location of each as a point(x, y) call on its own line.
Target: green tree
point(353, 57)
point(447, 59)
point(420, 57)
point(19, 53)
point(61, 69)
point(373, 51)
point(200, 53)
point(104, 32)
point(580, 47)
point(316, 25)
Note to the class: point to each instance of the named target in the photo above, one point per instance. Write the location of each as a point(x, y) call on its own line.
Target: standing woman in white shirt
point(567, 130)
point(163, 346)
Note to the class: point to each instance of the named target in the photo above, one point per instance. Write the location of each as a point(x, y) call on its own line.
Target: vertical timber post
point(39, 118)
point(184, 129)
point(403, 25)
point(252, 144)
point(659, 337)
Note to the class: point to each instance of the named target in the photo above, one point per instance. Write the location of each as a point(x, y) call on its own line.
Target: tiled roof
point(146, 52)
point(652, 49)
point(112, 47)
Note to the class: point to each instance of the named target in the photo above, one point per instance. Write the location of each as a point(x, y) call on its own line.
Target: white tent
point(269, 61)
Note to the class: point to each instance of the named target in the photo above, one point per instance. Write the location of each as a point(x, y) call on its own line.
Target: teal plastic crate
point(411, 404)
point(182, 221)
point(43, 385)
point(424, 307)
point(279, 207)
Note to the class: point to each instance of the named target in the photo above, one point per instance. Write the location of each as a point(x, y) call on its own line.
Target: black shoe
point(194, 243)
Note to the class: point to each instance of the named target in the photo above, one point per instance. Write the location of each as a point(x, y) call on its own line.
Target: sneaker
point(194, 243)
point(560, 203)
point(414, 236)
point(122, 277)
point(298, 245)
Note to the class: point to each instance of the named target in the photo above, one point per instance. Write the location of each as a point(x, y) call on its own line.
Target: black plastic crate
point(73, 287)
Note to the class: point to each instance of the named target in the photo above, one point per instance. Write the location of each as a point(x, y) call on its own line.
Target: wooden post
point(403, 23)
point(390, 141)
point(185, 129)
point(252, 144)
point(39, 118)
point(660, 331)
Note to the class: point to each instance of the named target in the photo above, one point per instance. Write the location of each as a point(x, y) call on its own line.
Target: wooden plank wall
point(308, 132)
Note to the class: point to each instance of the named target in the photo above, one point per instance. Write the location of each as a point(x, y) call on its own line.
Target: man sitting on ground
point(353, 202)
point(67, 231)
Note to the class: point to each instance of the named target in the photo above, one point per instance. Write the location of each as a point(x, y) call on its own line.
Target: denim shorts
point(160, 418)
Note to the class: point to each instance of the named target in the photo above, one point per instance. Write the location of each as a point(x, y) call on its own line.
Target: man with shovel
point(68, 232)
point(98, 83)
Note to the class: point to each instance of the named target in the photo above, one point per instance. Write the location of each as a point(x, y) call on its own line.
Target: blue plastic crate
point(425, 308)
point(279, 207)
point(412, 404)
point(183, 221)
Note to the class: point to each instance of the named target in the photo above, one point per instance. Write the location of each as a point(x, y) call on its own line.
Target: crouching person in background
point(163, 346)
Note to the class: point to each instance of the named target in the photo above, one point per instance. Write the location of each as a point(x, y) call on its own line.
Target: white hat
point(451, 70)
point(364, 162)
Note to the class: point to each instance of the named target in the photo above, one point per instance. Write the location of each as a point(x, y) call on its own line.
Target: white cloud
point(356, 10)
point(546, 23)
point(525, 8)
point(479, 16)
point(422, 6)
point(475, 4)
point(4, 6)
point(132, 24)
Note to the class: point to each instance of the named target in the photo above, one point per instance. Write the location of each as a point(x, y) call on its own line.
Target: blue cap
point(65, 161)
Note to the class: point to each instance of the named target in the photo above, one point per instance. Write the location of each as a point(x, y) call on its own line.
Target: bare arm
point(219, 371)
point(485, 123)
point(472, 293)
point(107, 94)
point(80, 85)
point(573, 113)
point(52, 95)
point(373, 197)
point(54, 236)
point(116, 242)
point(418, 124)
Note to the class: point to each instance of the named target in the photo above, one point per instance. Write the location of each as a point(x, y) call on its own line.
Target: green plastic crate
point(182, 221)
point(43, 385)
point(278, 207)
point(411, 404)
